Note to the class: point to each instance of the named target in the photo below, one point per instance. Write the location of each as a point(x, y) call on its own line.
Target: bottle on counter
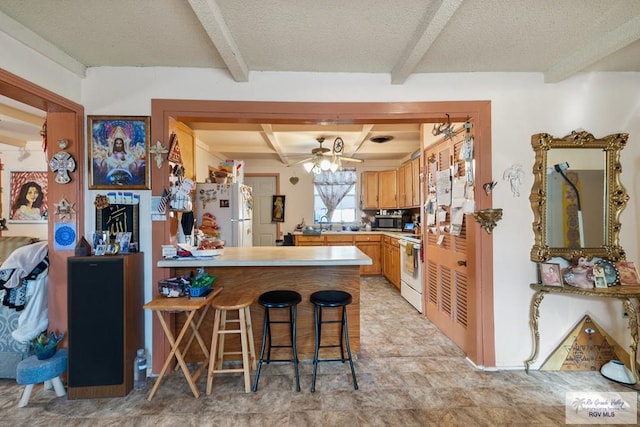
point(140, 370)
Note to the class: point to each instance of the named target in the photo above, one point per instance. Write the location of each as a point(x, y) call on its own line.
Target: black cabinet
point(105, 323)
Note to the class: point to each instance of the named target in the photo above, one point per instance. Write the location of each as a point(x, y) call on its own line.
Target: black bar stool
point(331, 299)
point(272, 300)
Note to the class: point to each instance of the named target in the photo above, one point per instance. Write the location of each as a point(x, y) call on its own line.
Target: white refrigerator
point(232, 207)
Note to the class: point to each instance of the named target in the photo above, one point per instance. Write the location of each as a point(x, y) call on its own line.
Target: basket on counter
point(199, 292)
point(174, 287)
point(201, 284)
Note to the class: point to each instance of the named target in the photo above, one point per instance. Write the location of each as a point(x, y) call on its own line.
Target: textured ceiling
point(398, 38)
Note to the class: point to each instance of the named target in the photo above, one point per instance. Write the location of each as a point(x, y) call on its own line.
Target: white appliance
point(232, 206)
point(411, 274)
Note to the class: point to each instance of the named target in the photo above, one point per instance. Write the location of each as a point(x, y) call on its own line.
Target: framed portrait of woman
point(28, 197)
point(118, 152)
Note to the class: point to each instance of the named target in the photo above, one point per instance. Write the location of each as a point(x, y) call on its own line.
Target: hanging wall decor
point(119, 218)
point(118, 152)
point(515, 175)
point(158, 150)
point(28, 196)
point(62, 163)
point(64, 236)
point(64, 209)
point(278, 209)
point(175, 156)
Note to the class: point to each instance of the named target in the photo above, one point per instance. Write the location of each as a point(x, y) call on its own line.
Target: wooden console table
point(623, 293)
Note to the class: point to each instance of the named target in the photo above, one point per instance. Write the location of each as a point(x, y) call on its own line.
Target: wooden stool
point(223, 303)
point(33, 371)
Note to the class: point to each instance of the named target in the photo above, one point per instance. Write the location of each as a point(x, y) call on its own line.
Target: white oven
point(411, 273)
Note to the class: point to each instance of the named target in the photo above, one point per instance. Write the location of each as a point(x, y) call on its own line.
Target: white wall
point(26, 63)
point(522, 105)
point(35, 162)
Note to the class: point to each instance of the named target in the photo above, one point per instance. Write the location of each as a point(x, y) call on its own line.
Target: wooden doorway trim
point(352, 112)
point(65, 120)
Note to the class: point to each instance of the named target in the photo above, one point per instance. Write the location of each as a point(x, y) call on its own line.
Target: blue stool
point(33, 371)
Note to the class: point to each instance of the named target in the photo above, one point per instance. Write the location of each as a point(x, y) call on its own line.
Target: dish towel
point(409, 264)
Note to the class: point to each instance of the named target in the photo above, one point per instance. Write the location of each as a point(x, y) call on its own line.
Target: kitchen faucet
point(326, 221)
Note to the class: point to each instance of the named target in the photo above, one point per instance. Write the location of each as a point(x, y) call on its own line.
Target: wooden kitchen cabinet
point(369, 190)
point(405, 185)
point(370, 244)
point(395, 263)
point(388, 189)
point(415, 175)
point(338, 240)
point(380, 189)
point(391, 260)
point(309, 240)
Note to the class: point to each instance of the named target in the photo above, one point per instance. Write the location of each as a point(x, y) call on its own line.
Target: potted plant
point(44, 345)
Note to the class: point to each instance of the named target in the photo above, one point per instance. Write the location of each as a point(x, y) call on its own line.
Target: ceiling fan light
point(316, 169)
point(333, 166)
point(325, 164)
point(308, 166)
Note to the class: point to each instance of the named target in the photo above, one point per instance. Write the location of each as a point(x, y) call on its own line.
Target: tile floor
point(408, 372)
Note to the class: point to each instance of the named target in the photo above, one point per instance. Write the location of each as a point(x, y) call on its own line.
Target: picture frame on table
point(550, 274)
point(28, 197)
point(123, 239)
point(112, 249)
point(100, 250)
point(119, 152)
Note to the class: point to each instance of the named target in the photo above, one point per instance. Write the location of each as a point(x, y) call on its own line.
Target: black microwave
point(389, 222)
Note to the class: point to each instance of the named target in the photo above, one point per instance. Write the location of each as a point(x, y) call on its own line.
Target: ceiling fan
point(320, 154)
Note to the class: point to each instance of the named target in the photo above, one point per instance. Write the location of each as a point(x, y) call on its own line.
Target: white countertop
point(276, 256)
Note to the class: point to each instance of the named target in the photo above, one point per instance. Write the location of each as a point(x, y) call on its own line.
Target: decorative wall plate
point(62, 163)
point(64, 236)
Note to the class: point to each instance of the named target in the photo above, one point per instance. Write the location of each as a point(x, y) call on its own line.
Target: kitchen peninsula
point(256, 270)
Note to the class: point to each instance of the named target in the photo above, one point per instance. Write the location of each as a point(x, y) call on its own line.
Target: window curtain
point(333, 186)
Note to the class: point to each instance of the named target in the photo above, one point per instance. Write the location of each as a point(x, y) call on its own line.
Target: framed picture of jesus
point(118, 152)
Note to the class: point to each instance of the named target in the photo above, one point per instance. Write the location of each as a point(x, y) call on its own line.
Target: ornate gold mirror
point(577, 196)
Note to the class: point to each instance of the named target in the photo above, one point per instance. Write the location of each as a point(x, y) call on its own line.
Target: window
point(344, 212)
point(335, 196)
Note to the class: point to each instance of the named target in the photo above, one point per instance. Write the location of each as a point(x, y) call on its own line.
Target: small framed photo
point(111, 249)
point(118, 152)
point(100, 250)
point(599, 276)
point(123, 239)
point(628, 273)
point(550, 274)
